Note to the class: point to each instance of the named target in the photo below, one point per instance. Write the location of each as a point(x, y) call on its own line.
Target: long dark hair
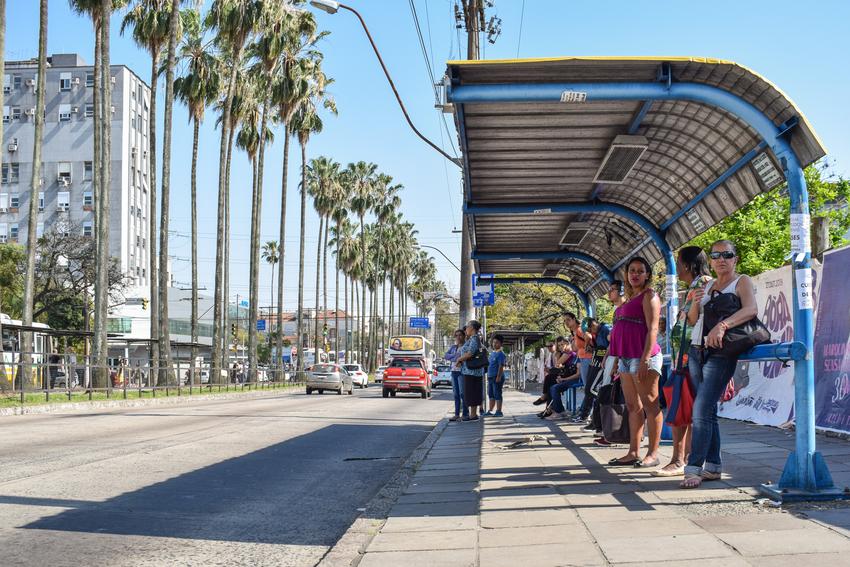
point(695, 260)
point(637, 260)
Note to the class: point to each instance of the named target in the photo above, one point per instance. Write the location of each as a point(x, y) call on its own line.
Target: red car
point(406, 375)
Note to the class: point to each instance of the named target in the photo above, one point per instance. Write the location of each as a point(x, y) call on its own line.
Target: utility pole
point(470, 15)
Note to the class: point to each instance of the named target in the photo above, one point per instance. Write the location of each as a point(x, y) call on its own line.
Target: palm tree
point(346, 247)
point(234, 22)
point(361, 176)
point(271, 254)
point(150, 20)
point(386, 202)
point(197, 88)
point(35, 185)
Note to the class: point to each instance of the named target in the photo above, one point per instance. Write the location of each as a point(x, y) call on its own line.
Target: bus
point(413, 346)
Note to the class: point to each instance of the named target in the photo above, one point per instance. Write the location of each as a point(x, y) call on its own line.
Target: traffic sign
point(483, 293)
point(244, 303)
point(261, 324)
point(420, 323)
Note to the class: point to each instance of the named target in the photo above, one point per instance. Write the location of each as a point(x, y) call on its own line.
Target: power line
point(521, 18)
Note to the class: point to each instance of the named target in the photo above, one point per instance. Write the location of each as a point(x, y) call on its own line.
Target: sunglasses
point(726, 255)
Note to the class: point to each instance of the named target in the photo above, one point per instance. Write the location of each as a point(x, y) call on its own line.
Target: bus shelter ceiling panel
point(566, 142)
point(529, 193)
point(546, 108)
point(511, 233)
point(534, 267)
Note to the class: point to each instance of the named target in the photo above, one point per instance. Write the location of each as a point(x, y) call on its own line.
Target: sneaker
point(589, 427)
point(578, 419)
point(555, 417)
point(602, 442)
point(498, 414)
point(466, 418)
point(455, 418)
point(488, 413)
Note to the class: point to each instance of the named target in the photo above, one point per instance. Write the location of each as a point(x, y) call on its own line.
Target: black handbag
point(739, 339)
point(615, 414)
point(479, 360)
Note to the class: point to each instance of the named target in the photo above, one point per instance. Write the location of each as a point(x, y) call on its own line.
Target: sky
point(802, 48)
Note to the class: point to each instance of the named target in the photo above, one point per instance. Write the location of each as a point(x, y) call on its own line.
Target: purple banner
point(832, 334)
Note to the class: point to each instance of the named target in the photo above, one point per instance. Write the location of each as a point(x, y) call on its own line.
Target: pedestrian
point(550, 366)
point(452, 354)
point(583, 344)
point(568, 375)
point(496, 376)
point(635, 344)
point(599, 344)
point(715, 369)
point(473, 374)
point(692, 267)
point(617, 297)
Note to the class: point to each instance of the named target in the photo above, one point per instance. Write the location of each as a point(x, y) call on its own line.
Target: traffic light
point(144, 304)
point(325, 330)
point(233, 330)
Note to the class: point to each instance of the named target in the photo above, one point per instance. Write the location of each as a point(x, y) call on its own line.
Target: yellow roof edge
point(676, 59)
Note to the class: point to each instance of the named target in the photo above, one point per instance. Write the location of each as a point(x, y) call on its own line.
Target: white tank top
point(696, 333)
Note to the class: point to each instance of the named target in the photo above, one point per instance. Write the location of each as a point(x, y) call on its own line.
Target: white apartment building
point(66, 196)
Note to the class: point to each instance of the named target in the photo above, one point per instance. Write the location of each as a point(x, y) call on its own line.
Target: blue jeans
point(494, 389)
point(711, 378)
point(457, 391)
point(556, 391)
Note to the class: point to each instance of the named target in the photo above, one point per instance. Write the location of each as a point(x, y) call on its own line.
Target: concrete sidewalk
point(475, 502)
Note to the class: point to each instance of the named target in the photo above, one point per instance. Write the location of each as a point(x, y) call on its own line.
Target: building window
point(39, 230)
point(64, 201)
point(88, 199)
point(87, 228)
point(87, 171)
point(64, 171)
point(13, 232)
point(10, 173)
point(14, 201)
point(16, 113)
point(7, 115)
point(7, 84)
point(65, 82)
point(89, 110)
point(4, 232)
point(41, 201)
point(64, 113)
point(119, 325)
point(89, 79)
point(4, 206)
point(16, 82)
point(63, 230)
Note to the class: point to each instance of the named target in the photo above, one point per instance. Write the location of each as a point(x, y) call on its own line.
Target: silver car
point(329, 377)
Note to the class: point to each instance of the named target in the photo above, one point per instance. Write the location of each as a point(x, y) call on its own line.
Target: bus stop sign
point(420, 323)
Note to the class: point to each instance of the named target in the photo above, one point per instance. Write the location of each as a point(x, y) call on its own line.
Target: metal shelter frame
point(541, 84)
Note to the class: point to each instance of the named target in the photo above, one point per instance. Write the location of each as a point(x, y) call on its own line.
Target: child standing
point(496, 376)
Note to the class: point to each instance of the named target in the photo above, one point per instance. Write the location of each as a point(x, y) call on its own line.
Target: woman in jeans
point(712, 371)
point(452, 354)
point(692, 267)
point(635, 344)
point(473, 378)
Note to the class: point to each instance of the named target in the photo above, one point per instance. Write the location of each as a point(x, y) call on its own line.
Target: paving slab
point(664, 548)
point(444, 558)
point(437, 497)
point(553, 555)
point(528, 518)
point(433, 523)
point(801, 560)
point(536, 535)
point(752, 523)
point(781, 542)
point(424, 540)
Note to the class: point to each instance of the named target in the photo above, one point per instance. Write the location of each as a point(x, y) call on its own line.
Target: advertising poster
point(764, 391)
point(832, 333)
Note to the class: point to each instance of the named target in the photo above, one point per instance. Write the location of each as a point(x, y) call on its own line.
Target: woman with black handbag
point(473, 359)
point(711, 303)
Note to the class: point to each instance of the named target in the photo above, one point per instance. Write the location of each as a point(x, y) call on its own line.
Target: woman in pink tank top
point(640, 359)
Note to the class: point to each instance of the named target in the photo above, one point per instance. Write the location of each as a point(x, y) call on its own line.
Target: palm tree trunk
point(364, 276)
point(253, 273)
point(383, 318)
point(218, 328)
point(300, 323)
point(256, 221)
point(318, 289)
point(325, 275)
point(164, 284)
point(225, 345)
point(35, 186)
point(194, 189)
point(282, 241)
point(355, 300)
point(336, 295)
point(153, 257)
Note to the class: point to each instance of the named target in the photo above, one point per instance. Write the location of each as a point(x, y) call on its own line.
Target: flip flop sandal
point(646, 465)
point(678, 471)
point(691, 481)
point(627, 463)
point(710, 475)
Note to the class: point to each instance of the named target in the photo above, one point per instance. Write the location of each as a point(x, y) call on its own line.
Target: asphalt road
point(268, 481)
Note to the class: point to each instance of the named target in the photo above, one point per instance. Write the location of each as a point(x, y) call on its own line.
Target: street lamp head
point(328, 6)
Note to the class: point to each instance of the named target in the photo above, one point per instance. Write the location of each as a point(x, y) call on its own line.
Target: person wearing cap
point(473, 378)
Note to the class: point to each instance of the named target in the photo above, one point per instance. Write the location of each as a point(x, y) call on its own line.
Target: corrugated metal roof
point(549, 152)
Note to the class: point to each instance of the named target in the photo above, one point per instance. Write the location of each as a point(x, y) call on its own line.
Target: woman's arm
point(748, 310)
point(652, 314)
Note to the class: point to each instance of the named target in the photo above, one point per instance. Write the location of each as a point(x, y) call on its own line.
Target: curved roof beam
point(562, 255)
point(588, 307)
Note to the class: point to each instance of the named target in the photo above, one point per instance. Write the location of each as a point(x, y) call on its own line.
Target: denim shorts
point(494, 389)
point(631, 365)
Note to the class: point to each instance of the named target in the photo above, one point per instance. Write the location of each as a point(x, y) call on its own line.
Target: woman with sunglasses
point(714, 370)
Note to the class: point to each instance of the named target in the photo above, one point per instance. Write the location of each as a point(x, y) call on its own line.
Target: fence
point(66, 379)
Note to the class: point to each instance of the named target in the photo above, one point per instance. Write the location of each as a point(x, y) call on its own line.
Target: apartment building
point(66, 198)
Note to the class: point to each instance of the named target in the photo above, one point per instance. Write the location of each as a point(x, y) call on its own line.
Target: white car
point(379, 374)
point(358, 377)
point(443, 377)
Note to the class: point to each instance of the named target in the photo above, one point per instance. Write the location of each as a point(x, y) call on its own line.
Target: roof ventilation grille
point(621, 158)
point(552, 270)
point(575, 233)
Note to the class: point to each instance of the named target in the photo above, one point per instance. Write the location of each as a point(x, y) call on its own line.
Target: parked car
point(406, 375)
point(379, 374)
point(443, 376)
point(329, 377)
point(358, 376)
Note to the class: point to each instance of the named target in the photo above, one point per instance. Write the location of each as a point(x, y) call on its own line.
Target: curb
point(351, 547)
point(137, 403)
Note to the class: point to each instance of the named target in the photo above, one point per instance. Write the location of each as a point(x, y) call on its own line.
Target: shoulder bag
point(479, 360)
point(739, 339)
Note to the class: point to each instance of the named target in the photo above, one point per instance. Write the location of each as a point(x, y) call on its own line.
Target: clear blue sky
point(803, 48)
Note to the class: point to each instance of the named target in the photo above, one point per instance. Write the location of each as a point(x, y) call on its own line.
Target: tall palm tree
point(339, 214)
point(386, 202)
point(197, 88)
point(35, 185)
point(361, 176)
point(271, 254)
point(346, 248)
point(150, 21)
point(234, 21)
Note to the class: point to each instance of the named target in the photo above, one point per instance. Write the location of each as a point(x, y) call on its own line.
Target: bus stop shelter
point(516, 341)
point(573, 165)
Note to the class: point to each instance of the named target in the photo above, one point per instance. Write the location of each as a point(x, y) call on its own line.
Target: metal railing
point(67, 380)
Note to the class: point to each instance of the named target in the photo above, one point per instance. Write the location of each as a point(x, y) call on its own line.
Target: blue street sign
point(243, 303)
point(420, 323)
point(483, 293)
point(261, 324)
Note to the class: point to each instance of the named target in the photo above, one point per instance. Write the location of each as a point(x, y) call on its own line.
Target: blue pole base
point(817, 475)
point(784, 495)
point(666, 433)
